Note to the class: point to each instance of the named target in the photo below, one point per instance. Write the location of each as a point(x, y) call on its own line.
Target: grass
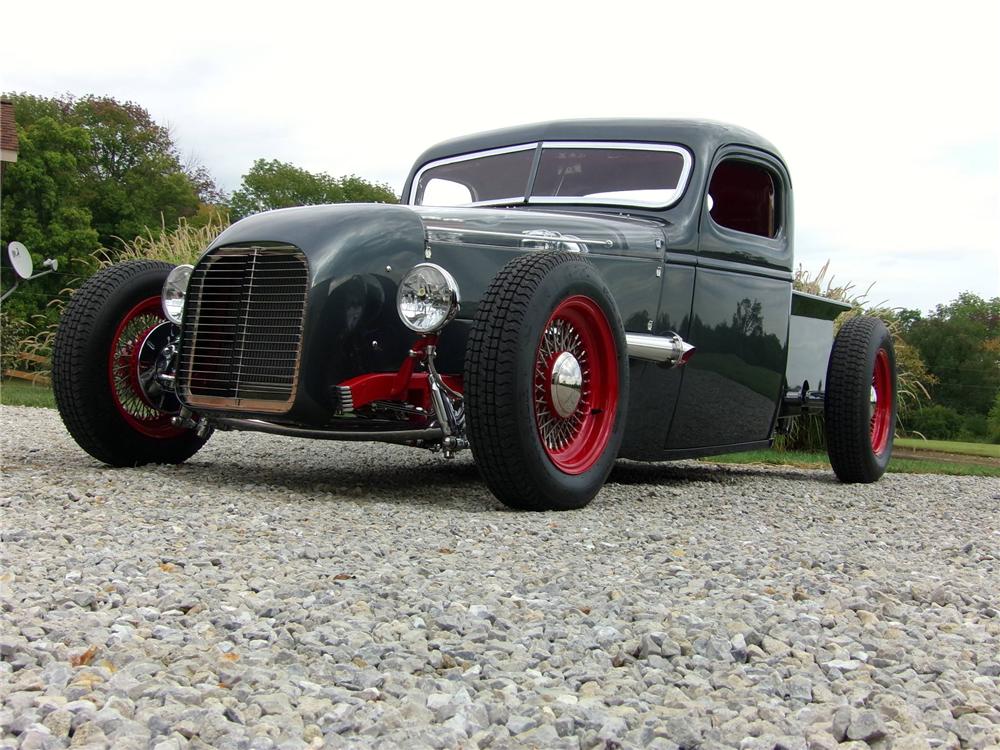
point(990, 450)
point(22, 393)
point(181, 245)
point(819, 461)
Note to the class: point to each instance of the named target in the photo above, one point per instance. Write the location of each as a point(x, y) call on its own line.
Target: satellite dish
point(20, 259)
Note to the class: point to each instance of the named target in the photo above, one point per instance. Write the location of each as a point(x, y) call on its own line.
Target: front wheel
point(546, 383)
point(98, 363)
point(860, 409)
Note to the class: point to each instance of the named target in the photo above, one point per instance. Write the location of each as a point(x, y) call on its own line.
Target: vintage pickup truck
point(553, 296)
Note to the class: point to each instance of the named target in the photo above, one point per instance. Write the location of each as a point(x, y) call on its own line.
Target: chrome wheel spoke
point(124, 349)
point(558, 432)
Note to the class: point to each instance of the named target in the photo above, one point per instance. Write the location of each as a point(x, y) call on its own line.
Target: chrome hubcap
point(565, 384)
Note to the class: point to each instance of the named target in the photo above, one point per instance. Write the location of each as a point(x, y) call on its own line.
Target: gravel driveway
point(282, 593)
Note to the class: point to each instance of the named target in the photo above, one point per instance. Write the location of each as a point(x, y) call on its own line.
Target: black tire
point(859, 431)
point(504, 416)
point(107, 421)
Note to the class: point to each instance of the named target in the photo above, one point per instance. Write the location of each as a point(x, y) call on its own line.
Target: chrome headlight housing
point(174, 290)
point(427, 298)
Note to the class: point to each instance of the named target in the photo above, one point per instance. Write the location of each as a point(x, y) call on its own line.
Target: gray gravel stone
point(866, 725)
point(520, 724)
point(274, 593)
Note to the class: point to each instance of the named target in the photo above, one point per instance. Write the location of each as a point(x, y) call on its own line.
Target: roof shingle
point(8, 129)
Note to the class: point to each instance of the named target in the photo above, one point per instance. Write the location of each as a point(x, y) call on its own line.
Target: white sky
point(888, 114)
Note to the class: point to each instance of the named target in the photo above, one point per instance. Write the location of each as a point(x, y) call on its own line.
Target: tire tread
point(491, 382)
point(848, 383)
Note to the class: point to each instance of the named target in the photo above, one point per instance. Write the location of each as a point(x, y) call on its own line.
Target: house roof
point(8, 128)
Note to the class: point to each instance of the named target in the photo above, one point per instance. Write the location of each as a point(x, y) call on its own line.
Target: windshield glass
point(599, 173)
point(631, 176)
point(490, 177)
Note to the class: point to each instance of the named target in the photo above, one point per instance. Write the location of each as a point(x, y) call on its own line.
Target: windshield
point(599, 173)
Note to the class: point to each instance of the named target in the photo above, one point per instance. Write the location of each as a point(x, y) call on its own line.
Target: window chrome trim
point(468, 157)
point(778, 181)
point(682, 179)
point(678, 192)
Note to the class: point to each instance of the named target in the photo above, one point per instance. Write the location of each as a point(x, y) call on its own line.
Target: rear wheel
point(860, 410)
point(546, 382)
point(107, 340)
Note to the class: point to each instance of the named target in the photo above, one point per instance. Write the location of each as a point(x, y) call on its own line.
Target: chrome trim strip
point(627, 145)
point(493, 202)
point(665, 350)
point(515, 235)
point(385, 436)
point(468, 157)
point(682, 180)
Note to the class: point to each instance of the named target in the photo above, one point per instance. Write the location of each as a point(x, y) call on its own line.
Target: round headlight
point(174, 289)
point(427, 298)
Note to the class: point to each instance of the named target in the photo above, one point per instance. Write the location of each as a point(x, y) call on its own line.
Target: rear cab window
point(745, 197)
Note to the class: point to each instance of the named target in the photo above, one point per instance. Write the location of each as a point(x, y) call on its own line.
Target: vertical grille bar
point(243, 321)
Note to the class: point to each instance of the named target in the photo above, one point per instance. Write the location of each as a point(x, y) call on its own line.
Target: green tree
point(44, 204)
point(359, 190)
point(275, 184)
point(135, 178)
point(936, 422)
point(89, 171)
point(993, 421)
point(960, 342)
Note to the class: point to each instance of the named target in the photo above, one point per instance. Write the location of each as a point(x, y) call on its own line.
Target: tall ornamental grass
point(181, 245)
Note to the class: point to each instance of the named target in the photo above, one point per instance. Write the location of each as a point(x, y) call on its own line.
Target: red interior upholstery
point(743, 198)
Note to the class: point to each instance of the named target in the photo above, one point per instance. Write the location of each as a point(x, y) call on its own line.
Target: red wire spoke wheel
point(546, 382)
point(882, 402)
point(123, 371)
point(860, 409)
point(576, 384)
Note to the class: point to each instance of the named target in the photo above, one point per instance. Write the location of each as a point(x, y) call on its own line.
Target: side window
point(440, 192)
point(744, 196)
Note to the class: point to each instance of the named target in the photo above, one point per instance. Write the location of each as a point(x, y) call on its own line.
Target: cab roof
point(702, 137)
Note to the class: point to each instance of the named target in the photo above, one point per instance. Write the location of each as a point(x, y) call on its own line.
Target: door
point(732, 386)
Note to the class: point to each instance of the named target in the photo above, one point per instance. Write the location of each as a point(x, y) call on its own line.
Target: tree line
point(959, 344)
point(93, 173)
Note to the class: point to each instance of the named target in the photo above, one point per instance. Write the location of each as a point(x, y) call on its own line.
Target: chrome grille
point(243, 319)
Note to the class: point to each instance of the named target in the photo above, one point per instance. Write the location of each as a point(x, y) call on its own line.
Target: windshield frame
point(479, 155)
point(538, 147)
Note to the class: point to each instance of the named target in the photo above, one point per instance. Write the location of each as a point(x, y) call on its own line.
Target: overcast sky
point(888, 114)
